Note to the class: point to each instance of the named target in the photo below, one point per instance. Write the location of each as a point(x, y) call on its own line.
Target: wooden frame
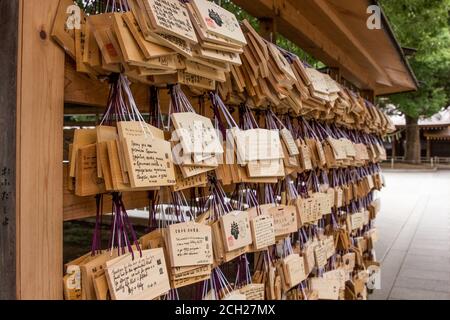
point(40, 100)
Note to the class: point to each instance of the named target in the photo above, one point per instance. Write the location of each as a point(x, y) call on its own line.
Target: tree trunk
point(412, 153)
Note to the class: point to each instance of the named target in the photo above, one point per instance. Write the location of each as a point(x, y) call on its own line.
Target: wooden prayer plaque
point(216, 55)
point(204, 270)
point(190, 244)
point(304, 210)
point(179, 45)
point(149, 162)
point(81, 137)
point(258, 144)
point(330, 249)
point(320, 255)
point(149, 49)
point(289, 141)
point(72, 283)
point(253, 291)
point(236, 231)
point(337, 274)
point(143, 278)
point(90, 266)
point(104, 133)
point(326, 289)
point(194, 80)
point(172, 17)
point(263, 231)
point(294, 269)
point(308, 255)
point(285, 220)
point(60, 32)
point(190, 182)
point(349, 261)
point(102, 26)
point(131, 129)
point(197, 134)
point(217, 20)
point(198, 69)
point(357, 220)
point(266, 168)
point(87, 182)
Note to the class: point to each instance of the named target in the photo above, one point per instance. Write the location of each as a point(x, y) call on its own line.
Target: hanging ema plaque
point(236, 230)
point(197, 134)
point(263, 231)
point(143, 278)
point(189, 244)
point(218, 21)
point(171, 16)
point(149, 162)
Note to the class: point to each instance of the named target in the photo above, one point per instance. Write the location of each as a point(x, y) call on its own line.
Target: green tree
point(422, 25)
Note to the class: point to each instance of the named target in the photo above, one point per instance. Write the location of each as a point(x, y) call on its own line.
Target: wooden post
point(9, 17)
point(394, 146)
point(428, 149)
point(268, 29)
point(40, 107)
point(335, 74)
point(369, 95)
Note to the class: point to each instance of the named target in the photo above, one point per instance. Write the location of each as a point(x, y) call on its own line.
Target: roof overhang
point(336, 32)
point(443, 134)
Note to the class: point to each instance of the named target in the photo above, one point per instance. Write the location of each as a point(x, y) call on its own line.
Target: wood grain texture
point(335, 32)
point(39, 154)
point(85, 207)
point(9, 15)
point(80, 89)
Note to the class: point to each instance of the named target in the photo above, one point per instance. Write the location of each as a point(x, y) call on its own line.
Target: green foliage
point(423, 25)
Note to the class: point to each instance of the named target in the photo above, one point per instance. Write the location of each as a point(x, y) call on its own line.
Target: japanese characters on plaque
point(285, 219)
point(263, 231)
point(171, 16)
point(190, 244)
point(149, 162)
point(197, 134)
point(258, 144)
point(139, 278)
point(294, 268)
point(253, 291)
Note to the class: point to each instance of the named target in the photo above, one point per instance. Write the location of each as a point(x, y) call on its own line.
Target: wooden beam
point(268, 29)
point(84, 207)
point(76, 109)
point(40, 105)
point(9, 17)
point(295, 26)
point(368, 95)
point(335, 74)
point(326, 12)
point(82, 90)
